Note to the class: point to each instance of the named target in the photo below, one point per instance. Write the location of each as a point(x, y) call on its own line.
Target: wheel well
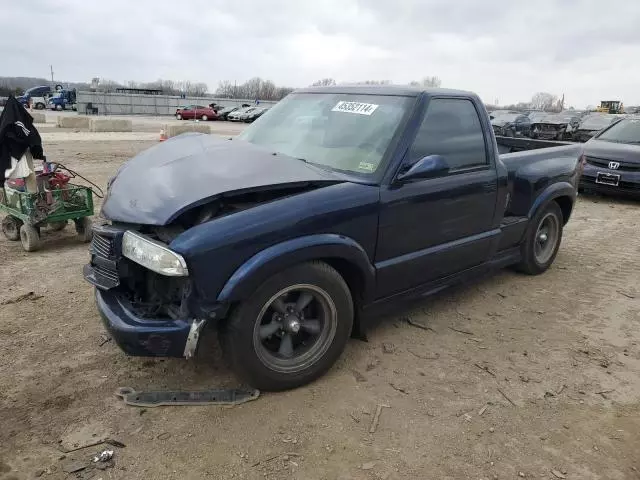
point(566, 205)
point(355, 281)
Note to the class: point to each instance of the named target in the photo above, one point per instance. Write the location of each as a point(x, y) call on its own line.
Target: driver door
point(430, 228)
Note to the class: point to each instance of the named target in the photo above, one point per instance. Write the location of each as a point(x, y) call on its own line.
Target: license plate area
point(610, 179)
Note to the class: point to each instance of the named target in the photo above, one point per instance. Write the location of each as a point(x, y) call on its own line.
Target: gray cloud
point(585, 49)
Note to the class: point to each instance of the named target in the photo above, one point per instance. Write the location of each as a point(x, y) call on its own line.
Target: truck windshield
point(625, 131)
point(344, 132)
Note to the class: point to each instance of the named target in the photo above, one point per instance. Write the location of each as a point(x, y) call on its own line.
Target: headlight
point(153, 255)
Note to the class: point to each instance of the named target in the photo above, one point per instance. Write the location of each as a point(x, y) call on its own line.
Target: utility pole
point(51, 68)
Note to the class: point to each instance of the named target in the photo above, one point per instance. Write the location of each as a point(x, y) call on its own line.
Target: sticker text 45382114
point(355, 107)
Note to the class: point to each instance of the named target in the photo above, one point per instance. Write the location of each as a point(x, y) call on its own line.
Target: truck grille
point(624, 166)
point(102, 246)
point(103, 259)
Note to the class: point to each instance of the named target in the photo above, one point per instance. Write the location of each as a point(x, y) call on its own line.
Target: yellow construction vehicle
point(611, 106)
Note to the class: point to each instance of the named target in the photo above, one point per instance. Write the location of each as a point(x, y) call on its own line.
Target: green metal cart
point(27, 213)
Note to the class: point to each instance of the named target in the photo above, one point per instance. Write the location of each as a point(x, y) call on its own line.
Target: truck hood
point(159, 184)
point(622, 152)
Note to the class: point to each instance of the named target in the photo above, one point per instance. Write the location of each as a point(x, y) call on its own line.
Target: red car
point(196, 111)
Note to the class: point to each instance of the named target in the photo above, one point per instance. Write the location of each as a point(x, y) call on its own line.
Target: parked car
point(511, 125)
point(340, 201)
point(40, 91)
point(239, 113)
point(224, 113)
point(557, 126)
point(592, 124)
point(191, 112)
point(254, 115)
point(613, 159)
point(496, 113)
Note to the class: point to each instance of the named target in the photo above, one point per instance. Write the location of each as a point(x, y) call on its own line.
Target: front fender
point(553, 191)
point(250, 275)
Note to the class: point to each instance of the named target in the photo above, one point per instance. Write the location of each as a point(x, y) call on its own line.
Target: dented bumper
point(145, 336)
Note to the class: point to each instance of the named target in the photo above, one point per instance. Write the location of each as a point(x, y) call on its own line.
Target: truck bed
point(533, 166)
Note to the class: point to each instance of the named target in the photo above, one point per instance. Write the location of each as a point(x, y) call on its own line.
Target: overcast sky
point(507, 50)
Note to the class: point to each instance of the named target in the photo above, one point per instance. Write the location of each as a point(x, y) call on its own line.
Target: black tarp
point(17, 134)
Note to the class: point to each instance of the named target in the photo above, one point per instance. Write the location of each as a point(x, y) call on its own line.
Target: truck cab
point(63, 100)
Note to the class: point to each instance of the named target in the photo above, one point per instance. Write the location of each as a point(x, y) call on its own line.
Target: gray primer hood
point(157, 185)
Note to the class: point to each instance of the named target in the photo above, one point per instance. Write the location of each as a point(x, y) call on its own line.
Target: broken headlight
point(153, 255)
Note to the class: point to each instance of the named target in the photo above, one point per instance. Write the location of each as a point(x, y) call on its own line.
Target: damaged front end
point(147, 313)
point(549, 131)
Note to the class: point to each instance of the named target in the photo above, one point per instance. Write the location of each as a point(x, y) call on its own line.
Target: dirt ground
point(517, 376)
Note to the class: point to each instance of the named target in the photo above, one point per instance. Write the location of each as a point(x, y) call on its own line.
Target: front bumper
point(628, 185)
point(151, 337)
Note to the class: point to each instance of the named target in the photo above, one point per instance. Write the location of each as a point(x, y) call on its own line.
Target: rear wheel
point(30, 238)
point(542, 240)
point(83, 229)
point(292, 329)
point(11, 227)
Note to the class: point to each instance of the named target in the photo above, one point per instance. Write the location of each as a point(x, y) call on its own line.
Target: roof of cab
point(397, 90)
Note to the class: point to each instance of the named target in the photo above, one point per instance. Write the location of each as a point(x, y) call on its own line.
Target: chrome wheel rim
point(546, 238)
point(295, 328)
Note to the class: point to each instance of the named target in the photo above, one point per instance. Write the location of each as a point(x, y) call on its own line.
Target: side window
point(451, 128)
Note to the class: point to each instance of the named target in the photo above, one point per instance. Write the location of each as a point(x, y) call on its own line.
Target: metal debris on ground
point(399, 388)
point(376, 418)
point(506, 397)
point(103, 456)
point(485, 368)
point(483, 409)
point(557, 474)
point(104, 339)
point(217, 396)
point(435, 356)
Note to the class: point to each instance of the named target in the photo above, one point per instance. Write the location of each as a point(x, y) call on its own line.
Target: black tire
point(11, 228)
point(30, 238)
point(57, 226)
point(83, 229)
point(59, 107)
point(40, 106)
point(537, 254)
point(244, 346)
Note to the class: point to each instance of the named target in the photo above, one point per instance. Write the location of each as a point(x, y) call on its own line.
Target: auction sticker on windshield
point(355, 107)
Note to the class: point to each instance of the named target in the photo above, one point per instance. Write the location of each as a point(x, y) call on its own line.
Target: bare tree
point(324, 82)
point(543, 101)
point(427, 82)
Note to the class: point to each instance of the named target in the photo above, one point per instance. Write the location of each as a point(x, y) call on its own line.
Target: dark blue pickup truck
point(335, 202)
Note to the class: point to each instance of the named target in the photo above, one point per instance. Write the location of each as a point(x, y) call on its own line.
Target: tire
point(537, 254)
point(254, 357)
point(178, 116)
point(83, 229)
point(57, 226)
point(11, 228)
point(59, 107)
point(30, 238)
point(39, 106)
point(204, 118)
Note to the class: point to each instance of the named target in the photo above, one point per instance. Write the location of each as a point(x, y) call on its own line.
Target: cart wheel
point(57, 226)
point(11, 227)
point(83, 229)
point(30, 238)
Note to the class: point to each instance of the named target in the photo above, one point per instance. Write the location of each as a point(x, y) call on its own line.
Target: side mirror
point(427, 167)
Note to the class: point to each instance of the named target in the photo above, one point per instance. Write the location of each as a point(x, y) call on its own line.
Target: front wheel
point(30, 238)
point(292, 329)
point(11, 227)
point(542, 240)
point(178, 116)
point(204, 118)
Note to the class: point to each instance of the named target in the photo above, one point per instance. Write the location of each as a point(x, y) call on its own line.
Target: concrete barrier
point(73, 122)
point(173, 130)
point(109, 125)
point(39, 117)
